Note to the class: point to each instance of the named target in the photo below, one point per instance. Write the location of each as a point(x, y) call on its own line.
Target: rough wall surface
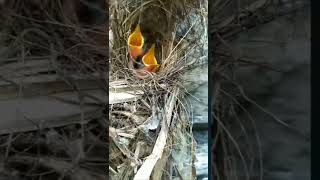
point(285, 44)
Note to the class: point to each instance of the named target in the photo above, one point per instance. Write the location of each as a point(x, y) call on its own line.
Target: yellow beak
point(135, 43)
point(149, 60)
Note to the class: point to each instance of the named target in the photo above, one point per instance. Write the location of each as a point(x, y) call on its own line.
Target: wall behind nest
point(284, 44)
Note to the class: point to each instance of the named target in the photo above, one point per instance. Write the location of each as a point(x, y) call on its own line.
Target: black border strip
point(315, 44)
point(210, 90)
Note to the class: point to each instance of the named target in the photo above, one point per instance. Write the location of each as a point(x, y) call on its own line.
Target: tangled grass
point(152, 136)
point(50, 42)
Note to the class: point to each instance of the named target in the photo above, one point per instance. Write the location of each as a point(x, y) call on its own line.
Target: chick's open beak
point(149, 60)
point(135, 43)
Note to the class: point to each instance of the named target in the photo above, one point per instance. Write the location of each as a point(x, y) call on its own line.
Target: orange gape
point(149, 60)
point(143, 62)
point(135, 43)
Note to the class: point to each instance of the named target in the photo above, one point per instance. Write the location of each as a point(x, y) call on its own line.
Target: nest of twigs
point(52, 41)
point(150, 130)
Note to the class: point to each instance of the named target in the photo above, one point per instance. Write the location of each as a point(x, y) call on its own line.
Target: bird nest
point(150, 132)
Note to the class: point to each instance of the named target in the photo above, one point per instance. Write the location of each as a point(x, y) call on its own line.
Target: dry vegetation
point(33, 33)
point(152, 134)
point(157, 122)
